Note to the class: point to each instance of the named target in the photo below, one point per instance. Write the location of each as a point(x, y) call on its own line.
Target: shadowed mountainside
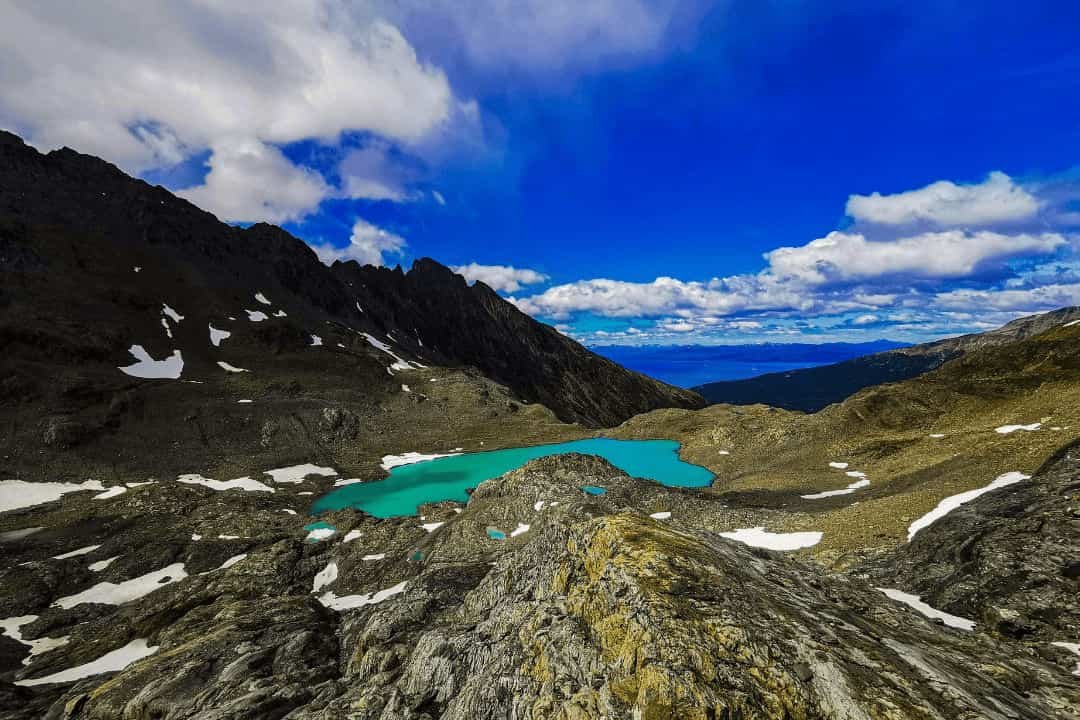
point(93, 262)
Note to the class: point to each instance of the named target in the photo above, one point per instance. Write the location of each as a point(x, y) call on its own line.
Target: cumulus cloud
point(368, 245)
point(500, 277)
point(841, 256)
point(995, 200)
point(149, 84)
point(249, 180)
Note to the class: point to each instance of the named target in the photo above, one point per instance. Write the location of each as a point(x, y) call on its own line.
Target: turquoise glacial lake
point(447, 478)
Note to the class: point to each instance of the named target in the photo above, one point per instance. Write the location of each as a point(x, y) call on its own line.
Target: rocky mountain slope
point(811, 389)
point(98, 269)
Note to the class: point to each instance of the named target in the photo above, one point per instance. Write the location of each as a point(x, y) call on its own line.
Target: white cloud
point(995, 200)
point(1047, 297)
point(841, 256)
point(500, 277)
point(368, 246)
point(867, 319)
point(147, 84)
point(249, 180)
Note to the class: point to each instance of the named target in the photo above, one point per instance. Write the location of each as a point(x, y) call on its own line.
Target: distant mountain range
point(811, 389)
point(691, 365)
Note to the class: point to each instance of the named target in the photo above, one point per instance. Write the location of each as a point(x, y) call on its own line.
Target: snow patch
point(350, 536)
point(111, 493)
point(173, 315)
point(1006, 429)
point(15, 494)
point(838, 465)
point(149, 368)
point(937, 436)
point(350, 602)
point(232, 561)
point(538, 505)
point(296, 473)
point(256, 315)
point(858, 484)
point(954, 501)
point(666, 515)
point(316, 341)
point(216, 336)
point(102, 564)
point(281, 313)
point(230, 368)
point(321, 533)
point(376, 556)
point(262, 298)
point(243, 483)
point(398, 364)
point(109, 662)
point(12, 627)
point(521, 528)
point(107, 593)
point(392, 461)
point(432, 526)
point(760, 537)
point(76, 553)
point(914, 602)
point(325, 577)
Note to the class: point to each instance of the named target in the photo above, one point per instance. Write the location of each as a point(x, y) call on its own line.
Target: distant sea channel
point(690, 365)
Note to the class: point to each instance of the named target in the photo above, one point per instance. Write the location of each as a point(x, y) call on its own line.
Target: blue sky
point(631, 171)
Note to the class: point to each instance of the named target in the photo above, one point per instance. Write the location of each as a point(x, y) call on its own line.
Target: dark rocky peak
point(91, 223)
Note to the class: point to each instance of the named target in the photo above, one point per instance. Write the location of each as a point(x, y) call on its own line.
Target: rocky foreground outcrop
point(1010, 560)
point(580, 606)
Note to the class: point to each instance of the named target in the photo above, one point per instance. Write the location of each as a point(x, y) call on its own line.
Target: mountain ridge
point(105, 212)
point(812, 389)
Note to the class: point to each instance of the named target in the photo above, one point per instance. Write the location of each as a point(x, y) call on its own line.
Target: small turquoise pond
point(593, 489)
point(447, 478)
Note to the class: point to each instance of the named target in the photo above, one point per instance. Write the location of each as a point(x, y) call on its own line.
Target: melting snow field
point(760, 537)
point(915, 603)
point(149, 368)
point(349, 602)
point(392, 461)
point(398, 363)
point(954, 501)
point(1006, 429)
point(12, 627)
point(107, 593)
point(15, 494)
point(109, 662)
point(296, 473)
point(244, 483)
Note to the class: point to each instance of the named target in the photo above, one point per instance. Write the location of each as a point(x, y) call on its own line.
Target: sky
point(630, 171)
